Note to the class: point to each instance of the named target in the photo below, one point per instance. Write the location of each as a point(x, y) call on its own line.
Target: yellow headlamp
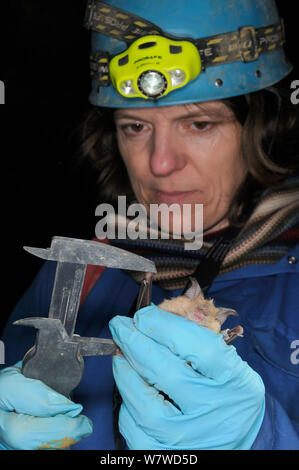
point(153, 66)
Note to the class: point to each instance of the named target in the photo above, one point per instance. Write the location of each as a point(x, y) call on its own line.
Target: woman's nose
point(166, 154)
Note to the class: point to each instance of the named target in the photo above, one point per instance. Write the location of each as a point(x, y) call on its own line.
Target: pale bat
point(193, 306)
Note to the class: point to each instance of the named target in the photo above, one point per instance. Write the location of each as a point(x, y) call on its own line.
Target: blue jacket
point(266, 299)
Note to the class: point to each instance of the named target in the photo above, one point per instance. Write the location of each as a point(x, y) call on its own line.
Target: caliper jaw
point(56, 358)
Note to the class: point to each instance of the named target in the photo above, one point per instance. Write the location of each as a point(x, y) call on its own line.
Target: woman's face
point(184, 154)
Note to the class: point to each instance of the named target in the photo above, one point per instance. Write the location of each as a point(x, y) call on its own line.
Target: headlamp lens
point(178, 77)
point(127, 87)
point(152, 83)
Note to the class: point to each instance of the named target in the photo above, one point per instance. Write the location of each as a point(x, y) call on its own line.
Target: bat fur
point(193, 306)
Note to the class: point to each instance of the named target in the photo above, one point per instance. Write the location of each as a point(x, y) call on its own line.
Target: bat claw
point(230, 334)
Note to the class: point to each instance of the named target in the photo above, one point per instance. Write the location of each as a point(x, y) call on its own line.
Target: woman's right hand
point(34, 417)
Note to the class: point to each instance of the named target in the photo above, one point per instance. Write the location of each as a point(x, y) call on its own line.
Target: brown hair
point(269, 143)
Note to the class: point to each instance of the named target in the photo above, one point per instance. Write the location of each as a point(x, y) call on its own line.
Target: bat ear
point(194, 290)
point(223, 313)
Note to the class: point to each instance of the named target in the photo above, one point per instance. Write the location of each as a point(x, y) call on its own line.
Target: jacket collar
point(289, 263)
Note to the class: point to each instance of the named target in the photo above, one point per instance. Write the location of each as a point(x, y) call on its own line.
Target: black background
point(44, 65)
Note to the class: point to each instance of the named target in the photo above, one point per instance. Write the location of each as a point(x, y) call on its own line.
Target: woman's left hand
point(217, 400)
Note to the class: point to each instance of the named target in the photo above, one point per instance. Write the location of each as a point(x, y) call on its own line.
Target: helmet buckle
point(248, 44)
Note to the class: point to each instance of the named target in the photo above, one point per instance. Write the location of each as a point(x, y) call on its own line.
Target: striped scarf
point(269, 233)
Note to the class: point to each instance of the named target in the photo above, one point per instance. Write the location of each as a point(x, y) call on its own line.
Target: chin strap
point(210, 265)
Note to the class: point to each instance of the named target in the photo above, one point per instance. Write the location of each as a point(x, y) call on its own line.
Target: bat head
point(194, 292)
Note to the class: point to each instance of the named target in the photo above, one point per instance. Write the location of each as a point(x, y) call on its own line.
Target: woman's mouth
point(175, 197)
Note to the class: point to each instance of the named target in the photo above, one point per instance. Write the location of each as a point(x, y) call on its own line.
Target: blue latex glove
point(33, 416)
point(219, 399)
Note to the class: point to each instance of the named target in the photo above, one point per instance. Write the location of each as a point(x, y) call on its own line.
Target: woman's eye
point(200, 125)
point(132, 129)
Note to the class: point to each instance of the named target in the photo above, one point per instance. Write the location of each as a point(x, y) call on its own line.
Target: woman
point(214, 140)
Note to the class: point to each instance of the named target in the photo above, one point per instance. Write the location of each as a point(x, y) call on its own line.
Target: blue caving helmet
point(239, 42)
